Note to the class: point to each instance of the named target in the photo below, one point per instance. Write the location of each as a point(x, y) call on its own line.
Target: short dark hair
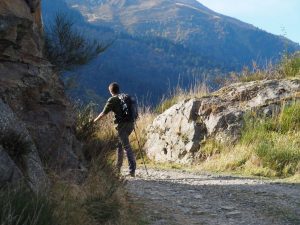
point(114, 88)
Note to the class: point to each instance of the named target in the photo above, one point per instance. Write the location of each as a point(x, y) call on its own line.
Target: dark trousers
point(124, 130)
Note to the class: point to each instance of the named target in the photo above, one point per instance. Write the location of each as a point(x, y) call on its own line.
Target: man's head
point(114, 88)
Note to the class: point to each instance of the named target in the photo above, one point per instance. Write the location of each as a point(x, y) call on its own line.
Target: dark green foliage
point(15, 145)
point(66, 47)
point(20, 206)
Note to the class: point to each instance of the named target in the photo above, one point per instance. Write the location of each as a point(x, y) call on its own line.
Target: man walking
point(124, 126)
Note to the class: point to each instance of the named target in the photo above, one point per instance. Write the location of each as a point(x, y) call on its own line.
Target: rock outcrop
point(33, 93)
point(29, 165)
point(177, 134)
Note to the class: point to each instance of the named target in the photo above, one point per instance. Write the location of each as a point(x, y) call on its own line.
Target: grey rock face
point(174, 134)
point(9, 172)
point(33, 168)
point(177, 134)
point(33, 102)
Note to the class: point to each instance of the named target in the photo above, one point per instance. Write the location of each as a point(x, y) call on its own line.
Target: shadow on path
point(216, 200)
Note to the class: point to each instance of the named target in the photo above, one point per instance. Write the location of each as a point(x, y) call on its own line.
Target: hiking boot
point(132, 174)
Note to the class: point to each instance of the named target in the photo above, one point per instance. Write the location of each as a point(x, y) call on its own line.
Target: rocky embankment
point(35, 114)
point(178, 134)
point(173, 197)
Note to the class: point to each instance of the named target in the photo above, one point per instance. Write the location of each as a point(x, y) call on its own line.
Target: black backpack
point(129, 108)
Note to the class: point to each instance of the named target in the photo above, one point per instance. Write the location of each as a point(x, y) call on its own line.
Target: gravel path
point(174, 197)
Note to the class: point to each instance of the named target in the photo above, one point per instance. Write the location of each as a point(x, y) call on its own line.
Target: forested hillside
point(162, 43)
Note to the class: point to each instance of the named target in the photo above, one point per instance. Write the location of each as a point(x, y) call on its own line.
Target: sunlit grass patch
point(196, 90)
point(288, 67)
point(269, 146)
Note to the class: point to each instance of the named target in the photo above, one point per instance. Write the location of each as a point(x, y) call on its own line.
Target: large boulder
point(176, 135)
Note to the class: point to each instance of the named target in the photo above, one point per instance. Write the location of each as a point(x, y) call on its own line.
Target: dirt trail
point(174, 197)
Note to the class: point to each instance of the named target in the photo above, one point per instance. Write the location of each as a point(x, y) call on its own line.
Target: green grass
point(288, 67)
point(276, 140)
point(166, 104)
point(280, 154)
point(268, 147)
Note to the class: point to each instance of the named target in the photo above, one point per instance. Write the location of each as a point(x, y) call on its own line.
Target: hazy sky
point(275, 16)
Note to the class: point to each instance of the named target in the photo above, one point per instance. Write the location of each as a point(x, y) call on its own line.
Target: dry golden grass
point(288, 67)
point(269, 147)
point(196, 90)
point(139, 137)
point(100, 199)
point(279, 156)
point(96, 196)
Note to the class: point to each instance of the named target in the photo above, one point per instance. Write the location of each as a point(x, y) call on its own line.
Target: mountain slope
point(190, 23)
point(159, 41)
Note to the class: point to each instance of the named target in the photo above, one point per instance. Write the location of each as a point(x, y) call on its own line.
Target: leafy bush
point(20, 206)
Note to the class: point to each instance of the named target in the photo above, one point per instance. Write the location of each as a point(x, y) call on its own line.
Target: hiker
point(122, 106)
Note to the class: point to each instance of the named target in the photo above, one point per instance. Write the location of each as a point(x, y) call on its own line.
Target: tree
point(66, 47)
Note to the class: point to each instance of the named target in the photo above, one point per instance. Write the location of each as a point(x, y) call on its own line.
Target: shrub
point(85, 128)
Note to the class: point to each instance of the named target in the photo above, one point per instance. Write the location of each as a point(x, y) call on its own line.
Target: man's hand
point(101, 115)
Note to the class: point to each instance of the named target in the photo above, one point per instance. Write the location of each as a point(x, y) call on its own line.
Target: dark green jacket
point(113, 104)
